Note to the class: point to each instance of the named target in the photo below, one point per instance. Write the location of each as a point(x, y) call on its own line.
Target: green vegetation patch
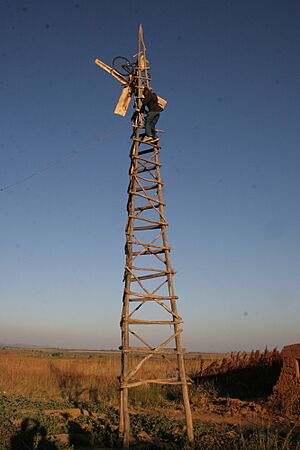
point(33, 424)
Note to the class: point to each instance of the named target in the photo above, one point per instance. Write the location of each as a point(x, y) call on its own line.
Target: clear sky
point(230, 154)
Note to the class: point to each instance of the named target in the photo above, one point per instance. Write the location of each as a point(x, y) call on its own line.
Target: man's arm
point(145, 100)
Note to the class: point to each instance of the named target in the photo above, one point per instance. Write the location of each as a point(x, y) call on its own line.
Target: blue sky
point(230, 154)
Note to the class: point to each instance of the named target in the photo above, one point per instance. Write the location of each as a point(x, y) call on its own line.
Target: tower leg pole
point(188, 414)
point(126, 423)
point(124, 427)
point(180, 360)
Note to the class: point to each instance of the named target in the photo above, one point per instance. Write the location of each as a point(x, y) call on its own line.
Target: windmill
point(126, 75)
point(148, 275)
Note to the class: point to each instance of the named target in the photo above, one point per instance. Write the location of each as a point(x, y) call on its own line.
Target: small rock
point(231, 433)
point(143, 436)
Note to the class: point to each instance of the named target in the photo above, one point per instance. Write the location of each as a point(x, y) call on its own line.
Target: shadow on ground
point(31, 436)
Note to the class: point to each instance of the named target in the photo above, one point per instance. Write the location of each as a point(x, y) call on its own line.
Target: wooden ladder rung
point(140, 177)
point(150, 199)
point(152, 322)
point(147, 188)
point(144, 152)
point(147, 169)
point(145, 160)
point(143, 208)
point(149, 298)
point(147, 227)
point(150, 245)
point(145, 219)
point(158, 381)
point(148, 252)
point(148, 277)
point(150, 269)
point(163, 351)
point(151, 143)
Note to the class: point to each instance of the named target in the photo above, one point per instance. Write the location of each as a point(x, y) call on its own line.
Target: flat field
point(57, 399)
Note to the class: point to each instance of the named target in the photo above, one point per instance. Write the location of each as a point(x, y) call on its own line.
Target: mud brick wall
point(286, 392)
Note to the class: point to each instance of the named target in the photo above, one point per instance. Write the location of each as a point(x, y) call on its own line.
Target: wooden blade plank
point(112, 71)
point(123, 102)
point(162, 102)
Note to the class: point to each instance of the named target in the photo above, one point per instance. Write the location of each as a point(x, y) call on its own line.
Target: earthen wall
point(286, 392)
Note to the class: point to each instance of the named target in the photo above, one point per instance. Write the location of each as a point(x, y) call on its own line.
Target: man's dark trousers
point(150, 122)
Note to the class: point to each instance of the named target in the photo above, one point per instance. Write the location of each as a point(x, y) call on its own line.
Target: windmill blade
point(112, 71)
point(123, 102)
point(162, 102)
point(125, 97)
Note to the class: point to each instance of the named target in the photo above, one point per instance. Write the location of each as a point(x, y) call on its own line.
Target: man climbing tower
point(150, 101)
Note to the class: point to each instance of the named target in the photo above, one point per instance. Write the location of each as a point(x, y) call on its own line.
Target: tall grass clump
point(247, 376)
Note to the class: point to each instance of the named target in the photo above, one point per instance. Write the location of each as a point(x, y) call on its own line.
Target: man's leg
point(154, 119)
point(148, 124)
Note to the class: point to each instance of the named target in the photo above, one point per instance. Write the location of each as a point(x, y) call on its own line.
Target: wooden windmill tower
point(149, 300)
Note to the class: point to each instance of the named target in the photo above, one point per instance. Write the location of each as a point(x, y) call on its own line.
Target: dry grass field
point(56, 399)
point(41, 374)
